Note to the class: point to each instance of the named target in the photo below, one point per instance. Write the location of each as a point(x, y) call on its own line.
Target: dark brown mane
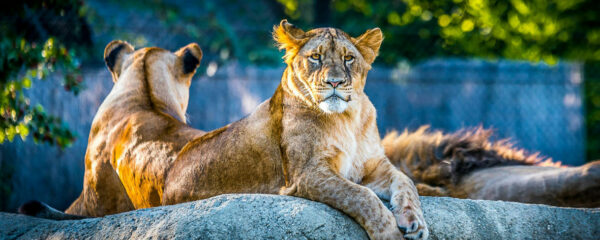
point(436, 158)
point(469, 150)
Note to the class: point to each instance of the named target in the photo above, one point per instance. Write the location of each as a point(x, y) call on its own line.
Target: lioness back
point(243, 157)
point(136, 134)
point(138, 129)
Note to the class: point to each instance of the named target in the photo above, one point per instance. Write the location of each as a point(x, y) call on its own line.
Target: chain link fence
point(541, 107)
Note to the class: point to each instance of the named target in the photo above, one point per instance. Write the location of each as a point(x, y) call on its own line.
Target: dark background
point(528, 69)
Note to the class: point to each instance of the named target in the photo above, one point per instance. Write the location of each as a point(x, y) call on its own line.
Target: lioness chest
point(350, 141)
point(352, 150)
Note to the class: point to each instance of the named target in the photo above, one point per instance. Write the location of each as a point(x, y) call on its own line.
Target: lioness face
point(330, 69)
point(167, 75)
point(331, 65)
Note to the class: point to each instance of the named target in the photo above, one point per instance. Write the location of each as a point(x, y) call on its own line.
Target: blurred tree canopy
point(44, 36)
point(38, 38)
point(592, 107)
point(531, 30)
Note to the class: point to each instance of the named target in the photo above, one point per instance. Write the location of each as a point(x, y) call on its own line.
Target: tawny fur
point(138, 130)
point(311, 139)
point(466, 164)
point(303, 142)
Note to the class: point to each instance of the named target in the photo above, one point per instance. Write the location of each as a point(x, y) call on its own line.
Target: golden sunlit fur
point(138, 130)
point(315, 138)
point(465, 164)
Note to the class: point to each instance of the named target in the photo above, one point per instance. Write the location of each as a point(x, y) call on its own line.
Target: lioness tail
point(41, 210)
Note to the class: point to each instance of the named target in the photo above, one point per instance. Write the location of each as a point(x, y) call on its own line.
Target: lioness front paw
point(409, 218)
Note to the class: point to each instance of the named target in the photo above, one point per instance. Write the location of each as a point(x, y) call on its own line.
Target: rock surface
point(281, 217)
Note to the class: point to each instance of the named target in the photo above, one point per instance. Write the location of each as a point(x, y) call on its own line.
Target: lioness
point(136, 133)
point(316, 138)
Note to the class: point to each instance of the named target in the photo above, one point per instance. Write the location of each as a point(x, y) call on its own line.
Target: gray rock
point(282, 217)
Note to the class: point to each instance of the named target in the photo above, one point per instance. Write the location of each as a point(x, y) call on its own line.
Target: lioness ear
point(368, 44)
point(290, 38)
point(114, 54)
point(190, 56)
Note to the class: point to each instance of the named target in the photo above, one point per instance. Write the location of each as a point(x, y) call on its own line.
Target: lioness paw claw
point(414, 230)
point(417, 235)
point(411, 222)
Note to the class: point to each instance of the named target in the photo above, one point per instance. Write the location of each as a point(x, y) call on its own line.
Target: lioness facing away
point(137, 132)
point(316, 138)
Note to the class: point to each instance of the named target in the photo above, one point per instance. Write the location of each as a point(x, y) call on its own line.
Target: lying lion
point(466, 164)
point(316, 138)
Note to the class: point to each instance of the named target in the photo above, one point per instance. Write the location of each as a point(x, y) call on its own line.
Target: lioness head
point(330, 65)
point(165, 75)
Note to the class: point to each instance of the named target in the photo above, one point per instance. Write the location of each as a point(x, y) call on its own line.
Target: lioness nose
point(334, 82)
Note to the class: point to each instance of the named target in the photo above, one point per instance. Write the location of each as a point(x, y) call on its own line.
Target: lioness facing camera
point(316, 138)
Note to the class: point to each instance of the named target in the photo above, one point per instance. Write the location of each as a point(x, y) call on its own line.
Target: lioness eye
point(348, 58)
point(316, 56)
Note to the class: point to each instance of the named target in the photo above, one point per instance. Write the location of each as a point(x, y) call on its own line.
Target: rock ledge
point(249, 216)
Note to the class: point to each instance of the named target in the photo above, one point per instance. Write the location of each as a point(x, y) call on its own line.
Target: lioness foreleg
point(321, 183)
point(390, 184)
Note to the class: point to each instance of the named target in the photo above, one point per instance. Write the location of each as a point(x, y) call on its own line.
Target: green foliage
point(298, 9)
point(225, 33)
point(533, 30)
point(21, 63)
point(29, 53)
point(592, 106)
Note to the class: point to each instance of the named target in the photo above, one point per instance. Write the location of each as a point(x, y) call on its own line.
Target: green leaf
point(23, 131)
point(26, 82)
point(10, 133)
